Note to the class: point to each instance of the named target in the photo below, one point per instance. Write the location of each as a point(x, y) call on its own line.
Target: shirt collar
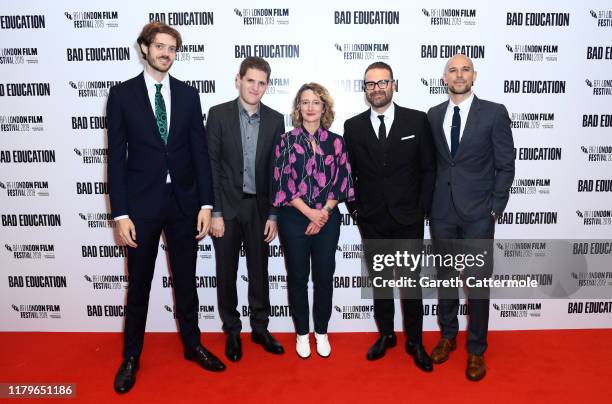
point(463, 105)
point(389, 113)
point(150, 81)
point(243, 110)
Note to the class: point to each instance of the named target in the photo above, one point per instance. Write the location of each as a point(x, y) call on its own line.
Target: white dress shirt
point(389, 116)
point(464, 110)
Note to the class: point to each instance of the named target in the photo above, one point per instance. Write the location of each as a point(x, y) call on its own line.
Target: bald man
point(475, 169)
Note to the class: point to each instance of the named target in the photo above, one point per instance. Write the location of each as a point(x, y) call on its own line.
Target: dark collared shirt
point(249, 129)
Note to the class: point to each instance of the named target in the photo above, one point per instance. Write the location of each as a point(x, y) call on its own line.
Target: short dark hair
point(147, 35)
point(379, 65)
point(254, 62)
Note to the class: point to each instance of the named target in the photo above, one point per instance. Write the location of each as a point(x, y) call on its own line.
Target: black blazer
point(138, 160)
point(478, 179)
point(225, 151)
point(405, 184)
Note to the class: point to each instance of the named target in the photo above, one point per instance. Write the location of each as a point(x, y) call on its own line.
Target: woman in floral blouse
point(311, 175)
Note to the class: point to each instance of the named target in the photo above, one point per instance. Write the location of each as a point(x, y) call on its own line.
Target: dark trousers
point(179, 230)
point(300, 251)
point(384, 226)
point(453, 227)
point(246, 228)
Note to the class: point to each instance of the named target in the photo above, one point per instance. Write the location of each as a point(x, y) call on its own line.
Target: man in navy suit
point(475, 169)
point(159, 180)
point(392, 158)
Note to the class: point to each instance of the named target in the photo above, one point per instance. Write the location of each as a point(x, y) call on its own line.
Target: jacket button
point(453, 164)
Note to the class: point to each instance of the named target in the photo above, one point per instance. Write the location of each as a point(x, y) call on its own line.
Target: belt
point(248, 196)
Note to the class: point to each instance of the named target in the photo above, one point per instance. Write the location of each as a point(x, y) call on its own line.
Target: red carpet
point(523, 366)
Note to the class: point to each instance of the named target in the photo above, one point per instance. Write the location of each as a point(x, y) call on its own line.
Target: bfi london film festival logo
point(363, 51)
point(107, 281)
point(93, 19)
point(98, 220)
point(92, 88)
point(204, 251)
point(205, 312)
point(532, 120)
point(451, 16)
point(595, 279)
point(518, 310)
point(524, 249)
point(18, 56)
point(598, 153)
point(603, 17)
point(595, 217)
point(263, 16)
point(278, 85)
point(599, 86)
point(530, 186)
point(27, 189)
point(435, 85)
point(38, 311)
point(191, 52)
point(92, 155)
point(355, 312)
point(31, 251)
point(277, 282)
point(533, 52)
point(21, 123)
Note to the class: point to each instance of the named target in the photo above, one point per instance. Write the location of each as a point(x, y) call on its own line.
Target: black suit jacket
point(138, 160)
point(405, 185)
point(478, 179)
point(225, 150)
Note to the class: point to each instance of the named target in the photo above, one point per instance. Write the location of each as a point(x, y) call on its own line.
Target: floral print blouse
point(314, 176)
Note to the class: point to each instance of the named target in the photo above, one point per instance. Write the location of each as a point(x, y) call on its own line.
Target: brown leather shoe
point(476, 368)
point(442, 350)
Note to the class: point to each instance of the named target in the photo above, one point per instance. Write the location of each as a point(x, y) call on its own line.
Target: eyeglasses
point(314, 103)
point(382, 84)
point(161, 47)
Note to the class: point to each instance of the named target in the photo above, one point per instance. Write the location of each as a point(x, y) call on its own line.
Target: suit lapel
point(174, 109)
point(150, 114)
point(371, 138)
point(470, 124)
point(438, 130)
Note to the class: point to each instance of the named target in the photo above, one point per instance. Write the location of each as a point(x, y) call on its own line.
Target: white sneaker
point(323, 347)
point(302, 346)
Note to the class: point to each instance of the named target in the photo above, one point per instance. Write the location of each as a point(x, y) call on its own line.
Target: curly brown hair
point(147, 35)
point(328, 105)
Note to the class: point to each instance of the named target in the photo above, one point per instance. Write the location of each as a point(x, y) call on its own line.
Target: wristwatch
point(328, 209)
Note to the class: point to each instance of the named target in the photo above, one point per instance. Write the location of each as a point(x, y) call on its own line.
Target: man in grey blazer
point(475, 169)
point(241, 135)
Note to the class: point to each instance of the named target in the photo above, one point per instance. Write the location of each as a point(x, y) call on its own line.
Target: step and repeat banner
point(549, 62)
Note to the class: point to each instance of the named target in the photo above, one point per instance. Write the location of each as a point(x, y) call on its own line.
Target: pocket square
point(407, 137)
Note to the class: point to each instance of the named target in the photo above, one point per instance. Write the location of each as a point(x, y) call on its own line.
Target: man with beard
point(475, 169)
point(159, 180)
point(392, 157)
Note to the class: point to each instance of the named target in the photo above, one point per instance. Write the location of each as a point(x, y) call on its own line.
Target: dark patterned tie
point(455, 129)
point(160, 114)
point(382, 130)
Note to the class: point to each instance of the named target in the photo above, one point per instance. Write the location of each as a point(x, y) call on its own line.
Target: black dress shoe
point(126, 375)
point(204, 358)
point(420, 356)
point(266, 340)
point(379, 348)
point(233, 347)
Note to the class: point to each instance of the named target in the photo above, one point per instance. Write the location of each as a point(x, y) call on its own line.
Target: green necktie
point(160, 114)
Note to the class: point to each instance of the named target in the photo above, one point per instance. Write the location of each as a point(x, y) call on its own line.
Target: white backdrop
point(59, 269)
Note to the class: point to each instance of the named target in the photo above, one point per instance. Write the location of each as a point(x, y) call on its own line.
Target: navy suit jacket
point(405, 184)
point(478, 179)
point(138, 160)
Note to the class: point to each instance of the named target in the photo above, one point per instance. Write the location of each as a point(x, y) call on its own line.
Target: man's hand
point(312, 229)
point(203, 223)
point(270, 230)
point(218, 227)
point(127, 232)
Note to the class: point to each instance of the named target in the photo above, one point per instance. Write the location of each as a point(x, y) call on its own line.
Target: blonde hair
point(328, 105)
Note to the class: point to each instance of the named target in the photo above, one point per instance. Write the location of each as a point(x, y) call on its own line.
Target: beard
point(379, 101)
point(153, 63)
point(466, 89)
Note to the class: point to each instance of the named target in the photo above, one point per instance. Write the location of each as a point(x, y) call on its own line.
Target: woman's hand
point(312, 229)
point(317, 216)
